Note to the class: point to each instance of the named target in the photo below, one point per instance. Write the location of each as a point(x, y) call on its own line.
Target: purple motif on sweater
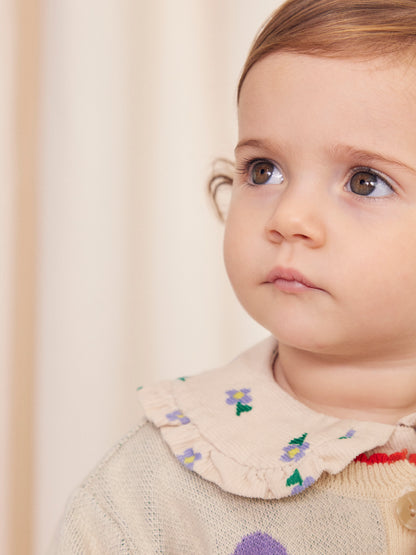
point(259, 544)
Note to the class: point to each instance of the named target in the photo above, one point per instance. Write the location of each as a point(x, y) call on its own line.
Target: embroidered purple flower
point(294, 452)
point(188, 458)
point(300, 484)
point(261, 544)
point(308, 481)
point(295, 449)
point(178, 415)
point(240, 398)
point(348, 435)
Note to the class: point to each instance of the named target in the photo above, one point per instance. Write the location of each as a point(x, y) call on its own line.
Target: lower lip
point(291, 286)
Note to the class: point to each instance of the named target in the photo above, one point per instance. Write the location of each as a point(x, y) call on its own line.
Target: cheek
point(231, 248)
point(381, 273)
point(239, 239)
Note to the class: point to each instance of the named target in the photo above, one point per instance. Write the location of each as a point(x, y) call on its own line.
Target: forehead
point(298, 95)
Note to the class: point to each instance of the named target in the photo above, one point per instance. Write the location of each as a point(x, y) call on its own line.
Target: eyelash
point(378, 174)
point(244, 166)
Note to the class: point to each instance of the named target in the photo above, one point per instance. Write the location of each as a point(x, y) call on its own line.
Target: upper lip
point(289, 274)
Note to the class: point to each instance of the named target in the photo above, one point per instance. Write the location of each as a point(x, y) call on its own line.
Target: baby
point(306, 443)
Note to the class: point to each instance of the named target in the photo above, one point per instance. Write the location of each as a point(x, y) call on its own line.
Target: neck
point(373, 390)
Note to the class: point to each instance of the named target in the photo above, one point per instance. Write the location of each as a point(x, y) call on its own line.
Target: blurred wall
point(111, 272)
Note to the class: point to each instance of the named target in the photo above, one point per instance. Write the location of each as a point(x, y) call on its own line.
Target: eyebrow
point(256, 143)
point(366, 157)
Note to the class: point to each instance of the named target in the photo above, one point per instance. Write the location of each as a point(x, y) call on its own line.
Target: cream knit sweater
point(227, 463)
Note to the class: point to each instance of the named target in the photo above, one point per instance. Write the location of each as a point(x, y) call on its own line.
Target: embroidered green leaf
point(298, 440)
point(242, 408)
point(139, 388)
point(183, 378)
point(294, 479)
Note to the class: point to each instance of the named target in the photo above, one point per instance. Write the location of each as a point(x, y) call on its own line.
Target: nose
point(298, 215)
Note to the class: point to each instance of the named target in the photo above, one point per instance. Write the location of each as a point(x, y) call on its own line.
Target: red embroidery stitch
point(383, 458)
point(398, 456)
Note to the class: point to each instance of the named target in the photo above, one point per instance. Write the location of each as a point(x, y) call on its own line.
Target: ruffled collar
point(236, 427)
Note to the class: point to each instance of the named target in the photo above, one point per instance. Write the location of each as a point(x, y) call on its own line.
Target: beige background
point(111, 272)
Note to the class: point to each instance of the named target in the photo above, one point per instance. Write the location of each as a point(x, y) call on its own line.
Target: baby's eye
point(263, 172)
point(367, 183)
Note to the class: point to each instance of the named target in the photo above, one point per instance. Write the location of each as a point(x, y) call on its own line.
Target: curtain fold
point(7, 240)
point(111, 272)
point(23, 276)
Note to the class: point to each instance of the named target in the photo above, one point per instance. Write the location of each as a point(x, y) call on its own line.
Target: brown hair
point(362, 29)
point(337, 29)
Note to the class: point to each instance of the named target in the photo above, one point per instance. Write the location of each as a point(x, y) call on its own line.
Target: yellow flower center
point(293, 452)
point(239, 395)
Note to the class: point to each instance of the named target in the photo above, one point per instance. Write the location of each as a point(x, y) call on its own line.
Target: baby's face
point(320, 241)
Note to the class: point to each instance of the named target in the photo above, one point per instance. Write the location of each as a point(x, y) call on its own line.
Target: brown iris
point(261, 172)
point(363, 183)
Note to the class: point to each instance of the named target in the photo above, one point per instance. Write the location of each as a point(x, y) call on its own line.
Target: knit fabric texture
point(226, 462)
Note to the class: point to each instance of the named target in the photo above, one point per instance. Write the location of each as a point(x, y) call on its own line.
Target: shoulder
point(107, 509)
point(139, 454)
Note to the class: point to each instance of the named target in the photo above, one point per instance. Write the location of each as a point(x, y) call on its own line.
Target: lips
point(288, 278)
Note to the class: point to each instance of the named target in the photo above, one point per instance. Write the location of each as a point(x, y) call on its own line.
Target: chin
point(309, 340)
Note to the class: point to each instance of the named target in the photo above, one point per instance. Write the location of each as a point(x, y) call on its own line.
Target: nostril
point(275, 235)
